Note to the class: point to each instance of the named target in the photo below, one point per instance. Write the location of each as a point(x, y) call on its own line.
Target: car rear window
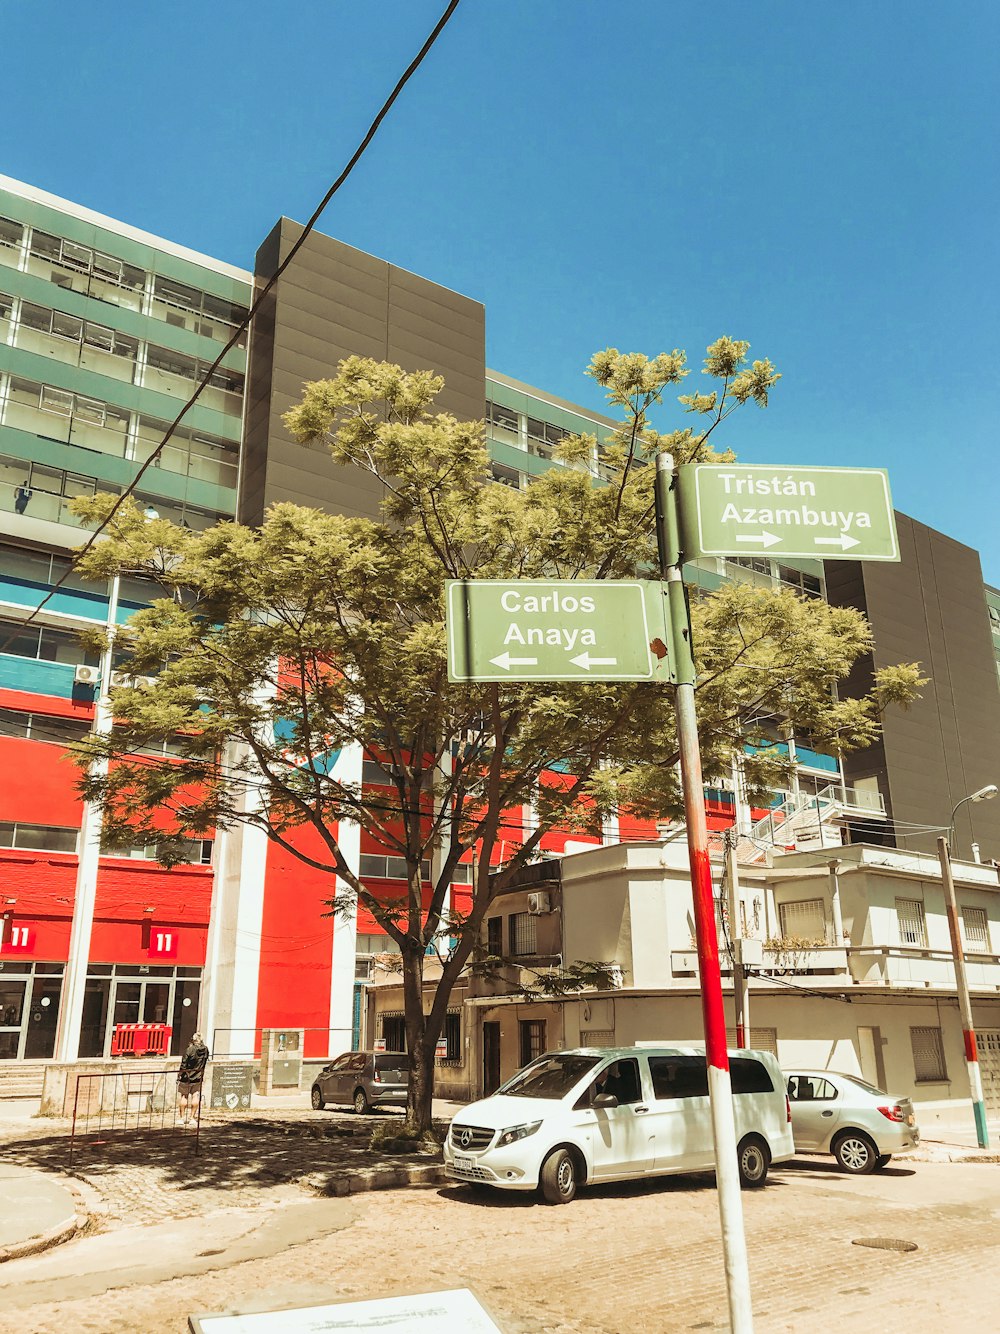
point(392, 1062)
point(862, 1084)
point(749, 1076)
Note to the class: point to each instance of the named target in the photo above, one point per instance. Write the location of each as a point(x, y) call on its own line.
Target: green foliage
point(353, 610)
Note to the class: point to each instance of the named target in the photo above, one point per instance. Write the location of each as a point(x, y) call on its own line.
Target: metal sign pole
point(734, 1246)
point(964, 999)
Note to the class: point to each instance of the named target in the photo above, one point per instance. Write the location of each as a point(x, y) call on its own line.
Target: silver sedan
point(840, 1114)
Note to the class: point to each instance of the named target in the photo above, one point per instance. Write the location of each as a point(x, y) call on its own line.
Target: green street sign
point(827, 513)
point(557, 630)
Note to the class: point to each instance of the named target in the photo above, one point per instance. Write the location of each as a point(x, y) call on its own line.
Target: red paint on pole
point(971, 1054)
point(708, 958)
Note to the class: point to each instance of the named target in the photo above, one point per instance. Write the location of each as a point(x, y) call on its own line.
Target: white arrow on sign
point(843, 541)
point(585, 661)
point(765, 539)
point(507, 662)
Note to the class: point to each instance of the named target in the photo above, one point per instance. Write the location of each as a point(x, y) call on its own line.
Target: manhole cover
point(885, 1243)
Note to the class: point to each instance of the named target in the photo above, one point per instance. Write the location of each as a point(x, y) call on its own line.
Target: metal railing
point(128, 1104)
point(245, 1043)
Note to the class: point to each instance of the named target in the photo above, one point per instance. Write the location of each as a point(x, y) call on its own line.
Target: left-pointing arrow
point(585, 661)
point(507, 662)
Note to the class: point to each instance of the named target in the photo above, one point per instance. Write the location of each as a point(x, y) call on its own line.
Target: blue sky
point(820, 180)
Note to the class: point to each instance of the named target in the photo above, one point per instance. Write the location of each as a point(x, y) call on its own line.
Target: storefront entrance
point(134, 994)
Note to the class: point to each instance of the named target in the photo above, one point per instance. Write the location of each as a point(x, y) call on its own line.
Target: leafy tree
point(319, 631)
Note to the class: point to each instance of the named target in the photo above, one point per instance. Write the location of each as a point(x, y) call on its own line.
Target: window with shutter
point(928, 1055)
point(805, 920)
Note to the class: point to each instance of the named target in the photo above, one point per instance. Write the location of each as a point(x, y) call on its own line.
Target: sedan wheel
point(855, 1153)
point(317, 1099)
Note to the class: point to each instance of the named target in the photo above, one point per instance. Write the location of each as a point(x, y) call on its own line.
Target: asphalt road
point(631, 1258)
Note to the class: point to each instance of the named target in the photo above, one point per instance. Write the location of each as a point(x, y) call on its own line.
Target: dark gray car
point(363, 1079)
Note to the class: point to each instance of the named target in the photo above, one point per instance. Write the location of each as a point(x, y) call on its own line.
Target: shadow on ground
point(224, 1156)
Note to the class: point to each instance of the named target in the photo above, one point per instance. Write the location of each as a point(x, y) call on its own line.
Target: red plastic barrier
point(141, 1040)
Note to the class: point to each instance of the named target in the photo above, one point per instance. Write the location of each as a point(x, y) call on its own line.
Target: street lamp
point(961, 982)
point(986, 793)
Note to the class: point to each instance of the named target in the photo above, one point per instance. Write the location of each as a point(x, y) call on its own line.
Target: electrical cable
point(401, 83)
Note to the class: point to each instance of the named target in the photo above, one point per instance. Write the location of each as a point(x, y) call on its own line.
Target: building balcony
point(816, 962)
point(899, 966)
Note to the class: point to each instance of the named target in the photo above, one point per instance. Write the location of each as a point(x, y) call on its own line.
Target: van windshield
point(550, 1076)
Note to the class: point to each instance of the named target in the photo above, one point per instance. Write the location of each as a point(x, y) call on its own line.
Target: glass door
point(12, 991)
point(40, 1034)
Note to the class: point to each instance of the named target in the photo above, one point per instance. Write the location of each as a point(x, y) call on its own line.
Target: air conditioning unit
point(126, 679)
point(87, 676)
point(539, 903)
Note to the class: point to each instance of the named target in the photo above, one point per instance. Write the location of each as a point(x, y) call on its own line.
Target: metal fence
point(127, 1105)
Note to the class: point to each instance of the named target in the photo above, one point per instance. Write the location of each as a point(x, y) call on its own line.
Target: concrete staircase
point(22, 1079)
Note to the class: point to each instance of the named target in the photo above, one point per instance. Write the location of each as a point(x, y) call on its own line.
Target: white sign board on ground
point(453, 1312)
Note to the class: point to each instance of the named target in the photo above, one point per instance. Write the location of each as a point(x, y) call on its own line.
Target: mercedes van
point(575, 1118)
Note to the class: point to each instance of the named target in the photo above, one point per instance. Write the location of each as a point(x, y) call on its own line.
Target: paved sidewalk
point(278, 1155)
point(35, 1211)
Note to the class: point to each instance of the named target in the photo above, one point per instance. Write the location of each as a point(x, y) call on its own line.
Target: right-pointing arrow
point(843, 541)
point(507, 662)
point(585, 661)
point(765, 539)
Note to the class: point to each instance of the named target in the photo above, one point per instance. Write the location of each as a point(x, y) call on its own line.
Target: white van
point(572, 1118)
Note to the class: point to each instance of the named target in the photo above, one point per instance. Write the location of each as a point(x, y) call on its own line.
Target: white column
point(347, 769)
point(228, 1009)
point(838, 917)
point(232, 957)
point(67, 1044)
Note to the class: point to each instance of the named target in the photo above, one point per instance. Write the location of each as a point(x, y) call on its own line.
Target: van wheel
point(317, 1099)
point(361, 1105)
point(855, 1153)
point(754, 1159)
point(558, 1178)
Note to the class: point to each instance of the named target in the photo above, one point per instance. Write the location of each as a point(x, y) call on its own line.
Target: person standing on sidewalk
point(189, 1078)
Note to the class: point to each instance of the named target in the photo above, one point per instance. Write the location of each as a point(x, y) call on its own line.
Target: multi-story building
point(852, 968)
point(104, 332)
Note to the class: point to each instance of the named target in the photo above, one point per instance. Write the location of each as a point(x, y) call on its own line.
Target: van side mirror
point(604, 1100)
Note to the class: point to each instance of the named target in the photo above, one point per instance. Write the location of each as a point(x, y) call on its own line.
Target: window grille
point(523, 933)
point(912, 927)
point(532, 1033)
point(976, 929)
point(453, 1035)
point(393, 1028)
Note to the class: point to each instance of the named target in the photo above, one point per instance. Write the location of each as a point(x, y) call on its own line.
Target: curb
point(44, 1241)
point(377, 1178)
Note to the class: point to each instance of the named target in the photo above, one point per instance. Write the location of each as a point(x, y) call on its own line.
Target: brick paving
point(640, 1257)
point(243, 1161)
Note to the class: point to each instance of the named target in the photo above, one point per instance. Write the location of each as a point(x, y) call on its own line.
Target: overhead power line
point(401, 83)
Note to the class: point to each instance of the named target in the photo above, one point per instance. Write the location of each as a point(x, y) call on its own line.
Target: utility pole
point(734, 1246)
point(741, 997)
point(964, 1000)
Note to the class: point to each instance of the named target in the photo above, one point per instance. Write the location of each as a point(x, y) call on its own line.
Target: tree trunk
point(420, 1046)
